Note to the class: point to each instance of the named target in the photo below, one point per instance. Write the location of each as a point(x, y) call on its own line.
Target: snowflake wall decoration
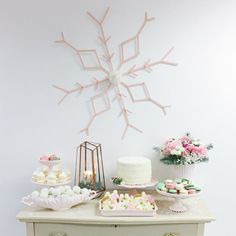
point(114, 78)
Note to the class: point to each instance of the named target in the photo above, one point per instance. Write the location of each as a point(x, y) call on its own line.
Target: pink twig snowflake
point(114, 78)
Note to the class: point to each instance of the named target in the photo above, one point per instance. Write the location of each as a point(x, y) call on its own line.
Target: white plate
point(51, 184)
point(127, 212)
point(138, 186)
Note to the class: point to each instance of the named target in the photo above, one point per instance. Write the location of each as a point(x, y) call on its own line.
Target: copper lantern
point(89, 172)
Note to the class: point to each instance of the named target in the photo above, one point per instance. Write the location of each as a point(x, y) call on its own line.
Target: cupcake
point(45, 170)
point(52, 178)
point(68, 173)
point(63, 177)
point(35, 175)
point(56, 170)
point(40, 177)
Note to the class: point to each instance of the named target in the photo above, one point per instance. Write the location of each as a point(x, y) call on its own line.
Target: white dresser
point(85, 220)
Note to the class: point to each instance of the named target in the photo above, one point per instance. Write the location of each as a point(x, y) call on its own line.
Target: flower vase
point(182, 171)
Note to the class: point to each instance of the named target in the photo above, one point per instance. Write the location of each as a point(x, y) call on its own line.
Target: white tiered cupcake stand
point(50, 165)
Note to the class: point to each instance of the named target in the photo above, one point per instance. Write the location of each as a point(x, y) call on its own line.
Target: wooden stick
point(80, 52)
point(147, 66)
point(103, 37)
point(125, 112)
point(135, 39)
point(147, 97)
point(78, 89)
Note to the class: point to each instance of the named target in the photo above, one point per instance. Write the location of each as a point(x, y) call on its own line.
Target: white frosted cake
point(134, 170)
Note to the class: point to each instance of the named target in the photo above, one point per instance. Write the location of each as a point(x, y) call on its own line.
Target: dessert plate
point(50, 163)
point(178, 205)
point(58, 203)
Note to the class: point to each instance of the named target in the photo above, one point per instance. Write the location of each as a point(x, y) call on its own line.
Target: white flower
point(177, 151)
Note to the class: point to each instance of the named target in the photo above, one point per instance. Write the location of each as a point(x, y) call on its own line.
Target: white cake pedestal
point(178, 205)
point(135, 187)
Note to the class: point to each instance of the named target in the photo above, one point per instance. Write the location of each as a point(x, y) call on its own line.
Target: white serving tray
point(58, 203)
point(134, 213)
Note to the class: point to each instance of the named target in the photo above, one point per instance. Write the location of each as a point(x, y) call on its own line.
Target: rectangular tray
point(134, 213)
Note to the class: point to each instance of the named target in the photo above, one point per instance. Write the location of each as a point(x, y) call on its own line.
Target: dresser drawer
point(46, 229)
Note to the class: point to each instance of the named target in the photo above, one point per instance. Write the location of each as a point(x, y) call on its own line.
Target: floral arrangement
point(184, 151)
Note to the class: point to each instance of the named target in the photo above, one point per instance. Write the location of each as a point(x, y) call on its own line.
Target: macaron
point(173, 191)
point(197, 188)
point(170, 185)
point(164, 189)
point(183, 191)
point(160, 185)
point(168, 181)
point(185, 181)
point(191, 191)
point(178, 181)
point(189, 186)
point(179, 186)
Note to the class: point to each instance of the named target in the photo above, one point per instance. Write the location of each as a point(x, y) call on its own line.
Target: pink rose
point(201, 150)
point(185, 141)
point(171, 145)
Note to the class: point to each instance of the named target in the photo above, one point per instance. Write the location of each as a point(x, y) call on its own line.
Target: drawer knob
point(57, 234)
point(171, 234)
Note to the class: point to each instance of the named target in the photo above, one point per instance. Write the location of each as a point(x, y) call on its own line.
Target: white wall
point(201, 91)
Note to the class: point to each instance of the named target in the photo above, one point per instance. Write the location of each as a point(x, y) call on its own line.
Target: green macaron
point(178, 181)
point(161, 185)
point(197, 188)
point(173, 191)
point(189, 186)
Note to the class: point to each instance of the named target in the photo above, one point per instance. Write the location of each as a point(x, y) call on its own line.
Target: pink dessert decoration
point(49, 158)
point(44, 158)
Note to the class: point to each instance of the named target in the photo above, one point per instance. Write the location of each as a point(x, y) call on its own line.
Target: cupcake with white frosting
point(51, 178)
point(62, 177)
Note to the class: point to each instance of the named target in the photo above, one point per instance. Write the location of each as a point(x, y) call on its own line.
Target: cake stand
point(50, 165)
point(51, 184)
point(138, 186)
point(178, 205)
point(135, 187)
